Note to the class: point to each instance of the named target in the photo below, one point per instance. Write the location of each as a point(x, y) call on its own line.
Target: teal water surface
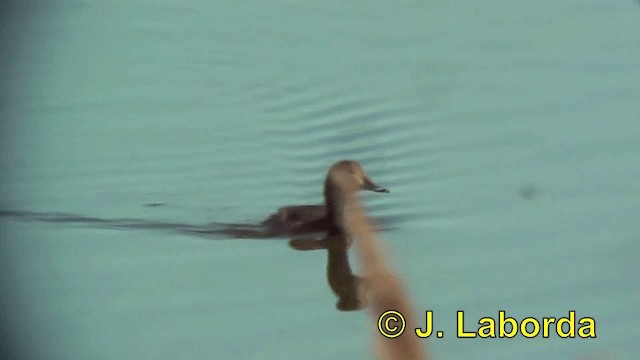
point(507, 131)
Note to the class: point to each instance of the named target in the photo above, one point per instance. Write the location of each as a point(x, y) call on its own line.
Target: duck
point(307, 219)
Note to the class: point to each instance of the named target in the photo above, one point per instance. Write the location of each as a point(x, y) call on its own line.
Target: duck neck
point(334, 198)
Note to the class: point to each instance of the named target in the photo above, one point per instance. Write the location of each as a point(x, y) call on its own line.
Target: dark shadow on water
point(344, 284)
point(212, 230)
point(272, 228)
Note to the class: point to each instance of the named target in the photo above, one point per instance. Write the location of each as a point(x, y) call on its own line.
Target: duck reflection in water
point(348, 287)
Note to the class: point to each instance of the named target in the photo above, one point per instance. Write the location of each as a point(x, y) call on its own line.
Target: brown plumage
point(307, 219)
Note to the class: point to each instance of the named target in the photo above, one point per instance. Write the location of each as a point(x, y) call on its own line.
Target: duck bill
point(371, 186)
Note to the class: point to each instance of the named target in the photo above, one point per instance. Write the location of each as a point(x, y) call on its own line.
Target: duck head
point(349, 176)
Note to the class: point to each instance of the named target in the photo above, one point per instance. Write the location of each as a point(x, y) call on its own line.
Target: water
point(507, 131)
